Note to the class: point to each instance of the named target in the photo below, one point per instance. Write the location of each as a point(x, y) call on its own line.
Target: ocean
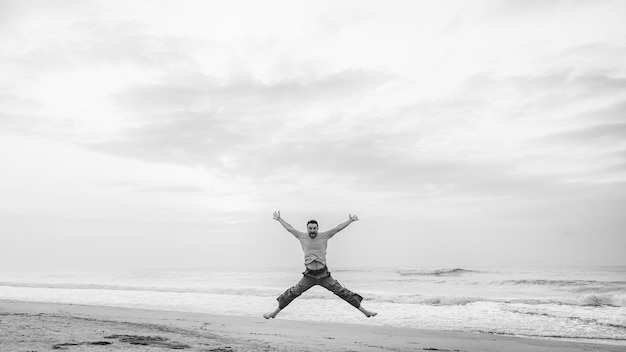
point(581, 304)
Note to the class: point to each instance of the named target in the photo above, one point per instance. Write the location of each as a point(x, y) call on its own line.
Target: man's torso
point(314, 250)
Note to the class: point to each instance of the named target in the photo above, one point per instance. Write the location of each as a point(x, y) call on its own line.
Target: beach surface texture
point(31, 326)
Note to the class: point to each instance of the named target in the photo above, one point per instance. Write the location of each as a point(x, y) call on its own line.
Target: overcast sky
point(140, 134)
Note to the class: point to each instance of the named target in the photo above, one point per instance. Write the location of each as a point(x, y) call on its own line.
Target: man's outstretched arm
point(286, 224)
point(351, 219)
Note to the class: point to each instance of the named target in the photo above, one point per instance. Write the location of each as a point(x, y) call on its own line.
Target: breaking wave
point(602, 300)
point(590, 300)
point(577, 319)
point(586, 300)
point(435, 272)
point(566, 283)
point(238, 291)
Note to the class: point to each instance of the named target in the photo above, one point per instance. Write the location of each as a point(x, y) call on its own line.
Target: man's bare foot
point(367, 313)
point(272, 314)
point(370, 314)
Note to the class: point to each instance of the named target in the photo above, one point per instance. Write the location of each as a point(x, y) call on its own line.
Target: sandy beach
point(29, 326)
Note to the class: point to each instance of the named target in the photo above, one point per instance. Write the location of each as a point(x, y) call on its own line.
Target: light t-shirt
point(314, 248)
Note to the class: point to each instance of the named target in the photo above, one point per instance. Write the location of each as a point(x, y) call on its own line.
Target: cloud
point(189, 138)
point(521, 9)
point(263, 131)
point(95, 44)
point(29, 122)
point(581, 84)
point(157, 97)
point(140, 187)
point(600, 51)
point(544, 96)
point(185, 88)
point(366, 161)
point(336, 20)
point(610, 113)
point(193, 118)
point(607, 132)
point(361, 163)
point(241, 123)
point(15, 11)
point(173, 189)
point(616, 168)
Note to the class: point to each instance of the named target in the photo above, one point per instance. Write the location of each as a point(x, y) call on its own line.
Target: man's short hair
point(312, 222)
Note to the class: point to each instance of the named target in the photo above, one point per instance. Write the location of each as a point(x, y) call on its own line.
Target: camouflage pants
point(324, 280)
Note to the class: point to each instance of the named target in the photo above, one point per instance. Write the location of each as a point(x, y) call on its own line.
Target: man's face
point(312, 228)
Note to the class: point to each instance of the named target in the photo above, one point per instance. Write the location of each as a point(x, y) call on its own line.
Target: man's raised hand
point(353, 217)
point(277, 215)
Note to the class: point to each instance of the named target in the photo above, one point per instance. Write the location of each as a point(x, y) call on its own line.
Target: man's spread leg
point(352, 298)
point(294, 292)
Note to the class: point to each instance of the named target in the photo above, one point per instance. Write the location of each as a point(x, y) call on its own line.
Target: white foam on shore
point(539, 303)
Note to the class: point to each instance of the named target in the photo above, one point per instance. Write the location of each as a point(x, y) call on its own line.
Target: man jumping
point(314, 247)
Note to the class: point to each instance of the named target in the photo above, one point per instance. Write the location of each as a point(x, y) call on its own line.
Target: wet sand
point(29, 326)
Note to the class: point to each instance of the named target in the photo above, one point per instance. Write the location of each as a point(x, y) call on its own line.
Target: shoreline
point(35, 326)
